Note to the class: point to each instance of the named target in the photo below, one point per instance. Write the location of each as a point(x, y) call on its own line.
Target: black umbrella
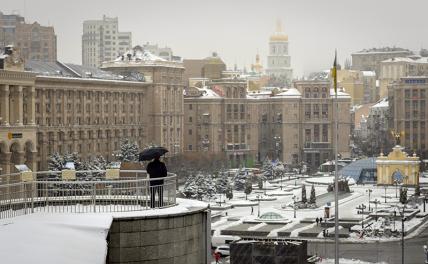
point(152, 152)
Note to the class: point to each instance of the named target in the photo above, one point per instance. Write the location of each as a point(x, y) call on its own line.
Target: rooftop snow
point(408, 60)
point(68, 70)
point(340, 93)
point(137, 55)
point(381, 104)
point(369, 73)
point(291, 92)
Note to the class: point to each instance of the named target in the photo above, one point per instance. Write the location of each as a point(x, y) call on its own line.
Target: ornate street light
point(369, 191)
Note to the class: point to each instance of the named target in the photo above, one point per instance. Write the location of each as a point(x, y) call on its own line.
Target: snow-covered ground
point(347, 206)
point(326, 180)
point(54, 238)
point(347, 261)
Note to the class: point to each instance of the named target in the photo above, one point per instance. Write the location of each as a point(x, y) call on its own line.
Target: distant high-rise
point(102, 41)
point(34, 42)
point(278, 59)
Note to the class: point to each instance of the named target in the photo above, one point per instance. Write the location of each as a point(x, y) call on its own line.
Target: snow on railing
point(84, 191)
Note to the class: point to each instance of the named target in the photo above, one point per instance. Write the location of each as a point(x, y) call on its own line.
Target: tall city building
point(395, 68)
point(102, 41)
point(293, 125)
point(65, 108)
point(370, 59)
point(35, 42)
point(408, 112)
point(279, 62)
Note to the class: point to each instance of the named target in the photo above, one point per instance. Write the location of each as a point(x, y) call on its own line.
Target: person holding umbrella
point(155, 169)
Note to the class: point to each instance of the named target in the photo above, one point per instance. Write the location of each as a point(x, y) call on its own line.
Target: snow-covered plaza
point(243, 213)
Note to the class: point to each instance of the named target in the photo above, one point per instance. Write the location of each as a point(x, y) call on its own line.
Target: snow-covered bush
point(312, 198)
point(240, 179)
point(128, 151)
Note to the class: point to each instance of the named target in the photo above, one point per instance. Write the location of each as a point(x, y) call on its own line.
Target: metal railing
point(91, 191)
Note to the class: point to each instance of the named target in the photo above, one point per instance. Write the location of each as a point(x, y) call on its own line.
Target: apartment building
point(102, 41)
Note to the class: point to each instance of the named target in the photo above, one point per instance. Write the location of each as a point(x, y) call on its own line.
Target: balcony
point(317, 145)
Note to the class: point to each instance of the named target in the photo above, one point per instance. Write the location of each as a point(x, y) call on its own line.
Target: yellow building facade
point(398, 166)
point(352, 83)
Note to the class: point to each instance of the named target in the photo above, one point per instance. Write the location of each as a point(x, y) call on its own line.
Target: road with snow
point(389, 252)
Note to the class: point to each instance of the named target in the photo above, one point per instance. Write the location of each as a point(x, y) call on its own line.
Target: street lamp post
point(277, 145)
point(396, 188)
point(395, 215)
point(369, 191)
point(294, 205)
point(376, 202)
point(258, 208)
point(362, 207)
point(425, 199)
point(403, 219)
point(385, 193)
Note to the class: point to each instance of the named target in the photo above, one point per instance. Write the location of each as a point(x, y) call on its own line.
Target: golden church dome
point(279, 35)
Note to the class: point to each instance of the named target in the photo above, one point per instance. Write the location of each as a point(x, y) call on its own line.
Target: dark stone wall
point(172, 239)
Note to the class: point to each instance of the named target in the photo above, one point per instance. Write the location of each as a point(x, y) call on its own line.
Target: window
point(190, 147)
point(190, 106)
point(190, 119)
point(324, 109)
point(316, 133)
point(325, 133)
point(190, 132)
point(316, 111)
point(307, 111)
point(307, 135)
point(407, 94)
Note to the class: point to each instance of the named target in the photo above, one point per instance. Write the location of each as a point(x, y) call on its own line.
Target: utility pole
point(403, 219)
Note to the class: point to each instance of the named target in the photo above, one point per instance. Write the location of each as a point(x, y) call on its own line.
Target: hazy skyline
point(236, 30)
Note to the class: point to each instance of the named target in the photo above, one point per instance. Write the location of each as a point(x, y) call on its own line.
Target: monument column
point(4, 105)
point(31, 105)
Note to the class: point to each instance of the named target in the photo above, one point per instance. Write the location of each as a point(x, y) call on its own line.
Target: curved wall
point(175, 238)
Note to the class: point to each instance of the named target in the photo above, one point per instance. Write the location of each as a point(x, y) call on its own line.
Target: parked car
point(223, 250)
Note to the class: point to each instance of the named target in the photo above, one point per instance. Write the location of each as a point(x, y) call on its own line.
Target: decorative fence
point(84, 191)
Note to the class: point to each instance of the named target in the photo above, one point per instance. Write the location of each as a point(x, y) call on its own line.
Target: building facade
point(210, 67)
point(218, 120)
point(102, 41)
point(294, 125)
point(408, 112)
point(166, 108)
point(370, 59)
point(66, 111)
point(317, 115)
point(18, 130)
point(393, 69)
point(278, 60)
point(34, 41)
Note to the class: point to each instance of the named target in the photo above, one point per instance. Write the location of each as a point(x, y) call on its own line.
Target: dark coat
point(156, 169)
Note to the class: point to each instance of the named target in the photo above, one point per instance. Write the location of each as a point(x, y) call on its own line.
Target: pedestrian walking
point(320, 220)
point(217, 257)
point(252, 210)
point(317, 220)
point(156, 169)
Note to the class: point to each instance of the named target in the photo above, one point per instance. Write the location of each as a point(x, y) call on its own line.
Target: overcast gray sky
point(237, 29)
